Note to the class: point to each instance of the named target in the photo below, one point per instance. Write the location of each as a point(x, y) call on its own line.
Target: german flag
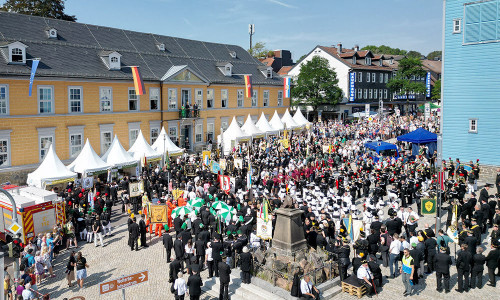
point(248, 85)
point(138, 83)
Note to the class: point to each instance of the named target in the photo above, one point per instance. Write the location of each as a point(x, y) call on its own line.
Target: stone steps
point(330, 288)
point(237, 290)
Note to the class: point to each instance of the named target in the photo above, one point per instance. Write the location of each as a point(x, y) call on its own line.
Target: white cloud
point(282, 3)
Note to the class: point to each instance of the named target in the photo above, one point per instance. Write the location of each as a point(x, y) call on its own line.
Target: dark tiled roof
point(347, 54)
point(77, 52)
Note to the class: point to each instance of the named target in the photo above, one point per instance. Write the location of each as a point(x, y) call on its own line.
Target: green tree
point(316, 84)
point(436, 90)
point(402, 83)
point(42, 8)
point(383, 49)
point(434, 54)
point(413, 53)
point(259, 50)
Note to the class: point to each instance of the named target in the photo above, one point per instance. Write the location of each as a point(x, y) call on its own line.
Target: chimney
point(339, 47)
point(356, 48)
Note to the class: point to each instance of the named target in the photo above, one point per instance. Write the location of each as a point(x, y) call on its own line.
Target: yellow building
point(83, 88)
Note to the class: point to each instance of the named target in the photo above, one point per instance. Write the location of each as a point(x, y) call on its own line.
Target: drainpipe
point(161, 103)
point(14, 219)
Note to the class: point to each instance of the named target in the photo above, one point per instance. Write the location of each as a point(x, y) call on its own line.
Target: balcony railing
point(189, 113)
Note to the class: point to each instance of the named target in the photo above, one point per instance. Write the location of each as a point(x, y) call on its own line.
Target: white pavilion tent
point(276, 123)
point(300, 119)
point(117, 156)
point(264, 126)
point(250, 129)
point(50, 171)
point(163, 144)
point(141, 149)
point(232, 136)
point(88, 162)
point(289, 122)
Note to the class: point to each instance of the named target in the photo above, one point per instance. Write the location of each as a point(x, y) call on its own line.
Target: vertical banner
point(428, 84)
point(441, 180)
point(367, 110)
point(206, 157)
point(352, 90)
point(427, 110)
point(34, 66)
point(286, 87)
point(248, 86)
point(138, 83)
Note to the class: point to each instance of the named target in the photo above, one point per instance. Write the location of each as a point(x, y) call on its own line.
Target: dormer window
point(114, 59)
point(381, 62)
point(226, 68)
point(161, 46)
point(16, 52)
point(368, 61)
point(391, 61)
point(52, 33)
point(354, 60)
point(111, 59)
point(233, 54)
point(269, 73)
point(17, 55)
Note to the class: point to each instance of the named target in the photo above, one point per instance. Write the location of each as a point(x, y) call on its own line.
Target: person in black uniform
point(217, 248)
point(133, 234)
point(343, 252)
point(478, 261)
point(174, 268)
point(224, 279)
point(194, 283)
point(200, 247)
point(168, 243)
point(430, 249)
point(179, 248)
point(492, 262)
point(463, 263)
point(442, 262)
point(246, 265)
point(142, 230)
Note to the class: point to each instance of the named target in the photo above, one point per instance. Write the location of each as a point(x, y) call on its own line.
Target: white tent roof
point(233, 133)
point(299, 118)
point(50, 170)
point(288, 121)
point(250, 129)
point(159, 145)
point(276, 122)
point(141, 148)
point(116, 155)
point(263, 125)
point(87, 161)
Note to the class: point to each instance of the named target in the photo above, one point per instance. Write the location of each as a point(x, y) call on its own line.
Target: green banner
point(428, 206)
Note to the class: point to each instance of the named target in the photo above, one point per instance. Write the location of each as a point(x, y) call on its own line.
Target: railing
point(189, 113)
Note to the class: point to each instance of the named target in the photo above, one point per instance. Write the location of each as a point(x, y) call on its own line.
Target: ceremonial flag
point(264, 210)
point(34, 65)
point(286, 86)
point(248, 85)
point(441, 180)
point(225, 183)
point(348, 226)
point(138, 83)
point(249, 178)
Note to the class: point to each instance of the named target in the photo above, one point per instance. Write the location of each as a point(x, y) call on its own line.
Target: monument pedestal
point(288, 236)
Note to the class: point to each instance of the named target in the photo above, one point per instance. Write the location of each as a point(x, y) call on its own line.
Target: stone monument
point(288, 236)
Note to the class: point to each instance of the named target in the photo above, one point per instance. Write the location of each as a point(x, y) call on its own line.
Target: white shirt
point(306, 287)
point(180, 286)
point(208, 253)
point(402, 215)
point(414, 214)
point(364, 272)
point(395, 246)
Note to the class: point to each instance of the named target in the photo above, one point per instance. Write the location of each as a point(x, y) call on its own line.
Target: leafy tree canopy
point(434, 54)
point(42, 8)
point(402, 83)
point(413, 53)
point(383, 49)
point(436, 91)
point(317, 84)
point(259, 50)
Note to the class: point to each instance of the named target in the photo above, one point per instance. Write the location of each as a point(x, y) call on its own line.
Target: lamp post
point(164, 150)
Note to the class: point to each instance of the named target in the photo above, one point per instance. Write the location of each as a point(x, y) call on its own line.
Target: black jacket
point(216, 249)
point(167, 241)
point(430, 245)
point(464, 260)
point(194, 283)
point(442, 262)
point(478, 261)
point(174, 268)
point(392, 226)
point(142, 226)
point(133, 230)
point(492, 258)
point(200, 247)
point(483, 195)
point(224, 271)
point(246, 262)
point(178, 249)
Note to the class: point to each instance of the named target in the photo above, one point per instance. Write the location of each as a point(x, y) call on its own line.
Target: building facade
point(83, 88)
point(471, 86)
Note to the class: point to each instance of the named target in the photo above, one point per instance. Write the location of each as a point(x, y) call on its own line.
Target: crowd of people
point(326, 172)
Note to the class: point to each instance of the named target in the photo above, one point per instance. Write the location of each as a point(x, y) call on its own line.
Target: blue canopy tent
point(419, 137)
point(383, 149)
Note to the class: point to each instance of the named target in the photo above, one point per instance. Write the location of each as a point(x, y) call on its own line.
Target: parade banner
point(190, 170)
point(264, 229)
point(285, 143)
point(428, 206)
point(87, 182)
point(177, 193)
point(326, 149)
point(225, 183)
point(134, 189)
point(214, 167)
point(222, 164)
point(238, 163)
point(159, 214)
point(206, 157)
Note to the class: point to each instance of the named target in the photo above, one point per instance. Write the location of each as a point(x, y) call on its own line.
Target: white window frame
point(375, 93)
point(365, 94)
point(360, 78)
point(70, 88)
point(380, 94)
point(172, 99)
point(381, 78)
point(101, 99)
point(360, 93)
point(265, 99)
point(370, 94)
point(5, 137)
point(133, 97)
point(224, 95)
point(368, 61)
point(133, 127)
point(374, 77)
point(198, 132)
point(210, 97)
point(211, 128)
point(280, 98)
point(21, 47)
point(105, 128)
point(154, 95)
point(255, 98)
point(198, 98)
point(355, 77)
point(457, 25)
point(52, 106)
point(173, 126)
point(386, 77)
point(385, 93)
point(473, 125)
point(368, 77)
point(188, 100)
point(46, 132)
point(6, 100)
point(154, 126)
point(74, 131)
point(240, 98)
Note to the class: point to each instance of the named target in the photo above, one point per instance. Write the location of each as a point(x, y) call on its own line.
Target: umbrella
point(196, 203)
point(220, 205)
point(225, 215)
point(181, 211)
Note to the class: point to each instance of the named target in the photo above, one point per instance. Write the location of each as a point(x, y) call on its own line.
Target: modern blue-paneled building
point(471, 81)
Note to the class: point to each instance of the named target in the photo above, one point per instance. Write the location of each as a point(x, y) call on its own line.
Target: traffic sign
point(123, 282)
point(14, 227)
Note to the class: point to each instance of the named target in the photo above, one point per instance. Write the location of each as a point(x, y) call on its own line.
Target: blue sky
point(296, 25)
